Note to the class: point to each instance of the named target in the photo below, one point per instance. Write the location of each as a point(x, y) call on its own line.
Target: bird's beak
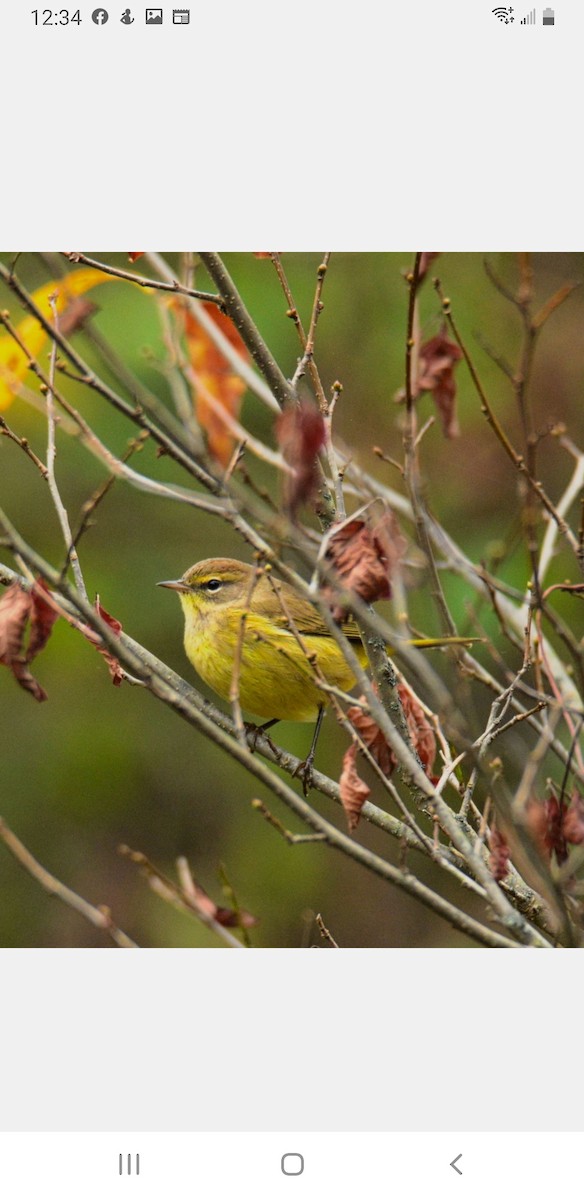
point(177, 585)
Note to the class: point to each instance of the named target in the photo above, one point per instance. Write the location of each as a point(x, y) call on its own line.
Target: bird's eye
point(213, 585)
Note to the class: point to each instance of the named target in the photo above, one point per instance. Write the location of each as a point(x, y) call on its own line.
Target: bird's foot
point(303, 772)
point(253, 732)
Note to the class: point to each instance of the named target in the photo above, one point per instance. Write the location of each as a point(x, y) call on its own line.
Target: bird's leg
point(253, 732)
point(304, 769)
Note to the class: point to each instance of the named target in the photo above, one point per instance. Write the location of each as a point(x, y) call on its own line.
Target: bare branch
point(99, 917)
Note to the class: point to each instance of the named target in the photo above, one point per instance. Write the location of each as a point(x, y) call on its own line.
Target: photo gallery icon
point(154, 16)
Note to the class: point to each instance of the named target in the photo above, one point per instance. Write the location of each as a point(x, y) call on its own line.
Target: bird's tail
point(437, 642)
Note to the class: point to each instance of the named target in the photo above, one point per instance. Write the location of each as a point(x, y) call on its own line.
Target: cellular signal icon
point(504, 14)
point(529, 19)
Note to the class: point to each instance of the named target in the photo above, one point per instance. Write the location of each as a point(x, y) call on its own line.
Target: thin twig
point(156, 285)
point(517, 459)
point(71, 552)
point(181, 897)
point(324, 932)
point(6, 431)
point(293, 839)
point(99, 917)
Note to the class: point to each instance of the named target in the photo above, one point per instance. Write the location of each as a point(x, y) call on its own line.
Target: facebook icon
point(99, 16)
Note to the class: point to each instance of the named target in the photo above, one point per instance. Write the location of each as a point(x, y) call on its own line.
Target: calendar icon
point(181, 16)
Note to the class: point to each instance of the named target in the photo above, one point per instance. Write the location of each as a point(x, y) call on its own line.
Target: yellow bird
point(230, 612)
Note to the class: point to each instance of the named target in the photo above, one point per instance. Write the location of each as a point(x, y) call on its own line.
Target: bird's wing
point(306, 618)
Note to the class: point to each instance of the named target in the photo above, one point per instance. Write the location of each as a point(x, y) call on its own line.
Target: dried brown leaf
point(354, 791)
point(421, 731)
point(365, 557)
point(16, 607)
point(373, 738)
point(115, 670)
point(438, 358)
point(300, 433)
point(545, 821)
point(573, 823)
point(26, 679)
point(113, 622)
point(42, 619)
point(419, 728)
point(500, 854)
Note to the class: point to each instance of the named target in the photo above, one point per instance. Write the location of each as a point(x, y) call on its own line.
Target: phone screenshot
point(291, 601)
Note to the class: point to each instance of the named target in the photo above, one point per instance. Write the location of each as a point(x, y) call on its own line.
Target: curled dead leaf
point(18, 608)
point(422, 738)
point(365, 556)
point(545, 821)
point(116, 672)
point(573, 823)
point(420, 731)
point(300, 432)
point(43, 617)
point(354, 791)
point(499, 854)
point(15, 607)
point(372, 737)
point(438, 358)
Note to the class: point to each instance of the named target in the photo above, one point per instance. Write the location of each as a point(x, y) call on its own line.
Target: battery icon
point(548, 16)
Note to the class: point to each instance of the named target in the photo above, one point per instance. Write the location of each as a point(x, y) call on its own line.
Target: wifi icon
point(503, 14)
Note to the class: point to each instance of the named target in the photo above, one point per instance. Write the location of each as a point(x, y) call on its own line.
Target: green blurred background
point(97, 766)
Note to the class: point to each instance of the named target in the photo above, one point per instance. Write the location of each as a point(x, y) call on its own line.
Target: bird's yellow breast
point(275, 678)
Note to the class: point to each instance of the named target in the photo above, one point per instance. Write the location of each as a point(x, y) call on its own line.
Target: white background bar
point(289, 1039)
point(346, 1166)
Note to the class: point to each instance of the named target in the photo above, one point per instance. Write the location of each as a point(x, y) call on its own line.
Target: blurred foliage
point(97, 766)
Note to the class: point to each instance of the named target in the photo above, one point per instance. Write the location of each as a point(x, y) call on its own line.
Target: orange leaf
point(217, 390)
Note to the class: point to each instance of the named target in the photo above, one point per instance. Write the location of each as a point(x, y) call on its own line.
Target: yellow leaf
point(13, 360)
